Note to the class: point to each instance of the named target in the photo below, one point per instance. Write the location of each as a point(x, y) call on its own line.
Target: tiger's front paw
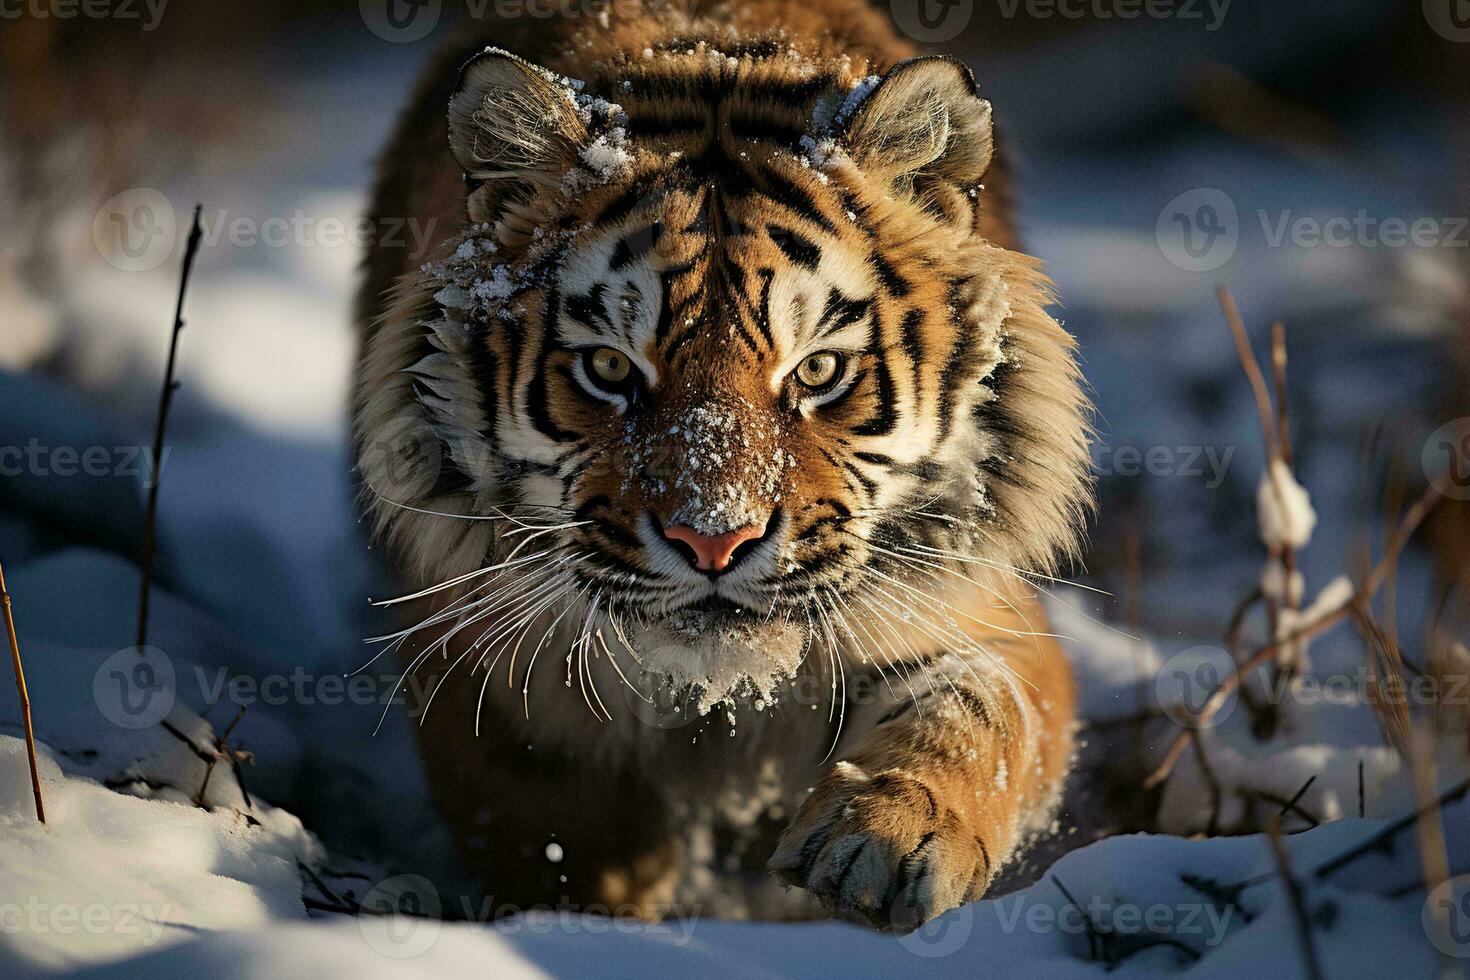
point(884, 847)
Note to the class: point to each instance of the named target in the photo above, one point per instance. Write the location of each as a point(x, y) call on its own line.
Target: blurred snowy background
point(1311, 156)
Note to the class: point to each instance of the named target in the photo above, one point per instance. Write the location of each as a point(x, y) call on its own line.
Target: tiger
point(724, 446)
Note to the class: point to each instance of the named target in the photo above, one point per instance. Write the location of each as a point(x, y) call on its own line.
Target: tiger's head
point(721, 351)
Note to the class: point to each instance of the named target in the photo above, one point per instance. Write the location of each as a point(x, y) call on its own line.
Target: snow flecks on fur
point(736, 664)
point(726, 467)
point(608, 156)
point(474, 285)
point(855, 98)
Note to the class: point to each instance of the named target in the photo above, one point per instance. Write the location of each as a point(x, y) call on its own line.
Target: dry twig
point(1298, 898)
point(1252, 368)
point(1383, 840)
point(1363, 595)
point(165, 401)
point(1434, 855)
point(221, 751)
point(25, 698)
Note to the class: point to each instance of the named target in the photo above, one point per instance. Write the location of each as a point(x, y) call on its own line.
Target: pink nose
point(712, 551)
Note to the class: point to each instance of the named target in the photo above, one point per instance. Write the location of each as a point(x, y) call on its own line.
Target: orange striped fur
point(744, 272)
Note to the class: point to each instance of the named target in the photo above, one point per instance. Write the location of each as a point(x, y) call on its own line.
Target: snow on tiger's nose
point(711, 464)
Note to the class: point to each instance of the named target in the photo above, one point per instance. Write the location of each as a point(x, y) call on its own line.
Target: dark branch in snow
point(1383, 841)
point(221, 751)
point(1298, 898)
point(165, 401)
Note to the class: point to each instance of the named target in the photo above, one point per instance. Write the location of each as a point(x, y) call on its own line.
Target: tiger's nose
point(714, 552)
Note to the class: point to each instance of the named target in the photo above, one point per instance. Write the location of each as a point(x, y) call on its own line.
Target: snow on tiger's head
point(722, 348)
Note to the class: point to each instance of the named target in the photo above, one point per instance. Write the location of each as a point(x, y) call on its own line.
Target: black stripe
point(537, 408)
point(660, 123)
point(840, 508)
point(763, 314)
point(886, 417)
point(816, 566)
point(841, 312)
point(925, 470)
point(515, 339)
point(680, 339)
point(767, 131)
point(961, 357)
point(787, 91)
point(634, 247)
point(720, 285)
point(451, 479)
point(784, 192)
point(483, 364)
point(666, 309)
point(618, 535)
point(620, 206)
point(590, 310)
point(867, 484)
point(896, 284)
point(911, 341)
point(948, 381)
point(899, 712)
point(801, 251)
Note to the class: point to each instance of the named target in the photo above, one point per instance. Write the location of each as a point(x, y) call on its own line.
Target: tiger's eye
point(819, 370)
point(611, 366)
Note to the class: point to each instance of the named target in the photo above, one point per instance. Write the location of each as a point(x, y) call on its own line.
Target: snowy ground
point(264, 579)
point(130, 878)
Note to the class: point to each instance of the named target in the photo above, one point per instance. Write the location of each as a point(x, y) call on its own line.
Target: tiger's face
point(729, 398)
point(733, 352)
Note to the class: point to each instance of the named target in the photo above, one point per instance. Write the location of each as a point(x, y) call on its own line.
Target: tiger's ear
point(923, 120)
point(513, 129)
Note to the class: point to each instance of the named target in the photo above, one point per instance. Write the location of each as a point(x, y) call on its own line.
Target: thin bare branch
point(1278, 378)
point(1266, 653)
point(1298, 899)
point(1252, 369)
point(221, 751)
point(165, 401)
point(25, 698)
